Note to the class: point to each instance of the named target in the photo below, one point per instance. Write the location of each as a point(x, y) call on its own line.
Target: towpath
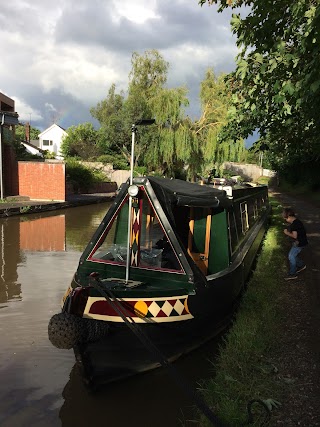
point(298, 360)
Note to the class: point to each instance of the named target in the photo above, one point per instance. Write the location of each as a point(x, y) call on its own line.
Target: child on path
point(297, 232)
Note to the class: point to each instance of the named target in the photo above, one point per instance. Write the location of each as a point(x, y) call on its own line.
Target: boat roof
point(183, 193)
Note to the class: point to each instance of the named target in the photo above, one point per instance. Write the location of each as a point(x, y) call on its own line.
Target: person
point(297, 232)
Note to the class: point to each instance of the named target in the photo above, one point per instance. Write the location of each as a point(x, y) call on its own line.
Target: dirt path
point(298, 360)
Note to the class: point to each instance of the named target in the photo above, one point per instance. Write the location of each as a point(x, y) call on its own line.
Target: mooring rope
point(156, 353)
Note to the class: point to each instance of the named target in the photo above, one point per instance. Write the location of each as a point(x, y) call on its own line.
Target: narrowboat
point(162, 274)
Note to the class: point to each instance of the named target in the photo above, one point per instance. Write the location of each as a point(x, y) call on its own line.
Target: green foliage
point(175, 145)
point(114, 133)
point(49, 154)
point(276, 85)
point(215, 100)
point(99, 176)
point(78, 175)
point(116, 160)
point(81, 141)
point(161, 146)
point(140, 171)
point(20, 133)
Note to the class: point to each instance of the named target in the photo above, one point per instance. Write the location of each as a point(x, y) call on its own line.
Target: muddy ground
point(297, 361)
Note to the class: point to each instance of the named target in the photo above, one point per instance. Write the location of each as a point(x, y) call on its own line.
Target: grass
point(244, 368)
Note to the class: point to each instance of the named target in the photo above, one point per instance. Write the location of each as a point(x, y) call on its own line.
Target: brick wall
point(42, 180)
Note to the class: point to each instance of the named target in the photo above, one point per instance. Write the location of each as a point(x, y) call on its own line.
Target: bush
point(99, 176)
point(49, 155)
point(140, 171)
point(117, 160)
point(78, 175)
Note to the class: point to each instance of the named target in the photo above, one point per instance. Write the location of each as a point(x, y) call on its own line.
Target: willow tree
point(163, 147)
point(215, 100)
point(167, 146)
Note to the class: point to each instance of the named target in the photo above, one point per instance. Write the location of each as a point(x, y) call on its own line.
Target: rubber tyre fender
point(65, 330)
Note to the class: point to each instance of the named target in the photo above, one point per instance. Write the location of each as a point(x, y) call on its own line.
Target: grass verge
point(244, 369)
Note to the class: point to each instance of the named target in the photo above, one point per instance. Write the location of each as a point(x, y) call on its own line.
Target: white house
point(51, 139)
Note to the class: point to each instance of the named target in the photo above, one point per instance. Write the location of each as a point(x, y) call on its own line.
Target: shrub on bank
point(81, 177)
point(117, 160)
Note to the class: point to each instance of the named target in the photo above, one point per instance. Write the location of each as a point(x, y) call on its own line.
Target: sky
point(59, 58)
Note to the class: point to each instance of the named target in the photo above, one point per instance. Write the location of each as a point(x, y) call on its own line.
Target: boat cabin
point(175, 228)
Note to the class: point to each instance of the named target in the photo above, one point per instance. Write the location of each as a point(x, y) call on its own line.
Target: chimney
point(27, 131)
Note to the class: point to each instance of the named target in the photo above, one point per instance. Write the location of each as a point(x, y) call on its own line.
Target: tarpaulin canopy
point(183, 193)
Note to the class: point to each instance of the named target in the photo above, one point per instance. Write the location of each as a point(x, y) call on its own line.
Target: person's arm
point(292, 234)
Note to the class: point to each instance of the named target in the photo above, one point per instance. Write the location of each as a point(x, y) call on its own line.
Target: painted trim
point(165, 309)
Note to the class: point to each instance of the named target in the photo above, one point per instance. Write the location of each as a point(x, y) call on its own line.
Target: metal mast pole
point(133, 132)
point(1, 165)
point(143, 122)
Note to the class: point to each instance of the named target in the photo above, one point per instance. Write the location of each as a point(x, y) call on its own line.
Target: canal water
point(39, 384)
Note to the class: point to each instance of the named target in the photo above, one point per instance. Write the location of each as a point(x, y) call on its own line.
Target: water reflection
point(51, 233)
point(150, 399)
point(10, 257)
point(43, 234)
point(20, 236)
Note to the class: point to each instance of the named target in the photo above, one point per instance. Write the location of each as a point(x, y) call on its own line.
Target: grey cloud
point(66, 109)
point(185, 24)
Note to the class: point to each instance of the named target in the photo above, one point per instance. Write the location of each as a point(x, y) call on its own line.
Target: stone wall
point(107, 169)
point(120, 176)
point(248, 171)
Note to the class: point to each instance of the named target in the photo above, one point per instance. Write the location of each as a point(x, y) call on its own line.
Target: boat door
point(199, 237)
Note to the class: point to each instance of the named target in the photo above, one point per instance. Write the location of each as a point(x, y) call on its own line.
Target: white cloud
point(26, 112)
point(139, 11)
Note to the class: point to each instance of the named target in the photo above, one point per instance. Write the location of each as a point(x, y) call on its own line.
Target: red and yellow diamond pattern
point(170, 309)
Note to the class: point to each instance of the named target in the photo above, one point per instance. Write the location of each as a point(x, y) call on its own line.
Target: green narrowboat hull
point(172, 287)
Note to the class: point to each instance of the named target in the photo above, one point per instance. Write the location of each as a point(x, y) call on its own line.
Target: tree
point(157, 146)
point(113, 135)
point(81, 141)
point(276, 84)
point(175, 145)
point(20, 133)
point(215, 100)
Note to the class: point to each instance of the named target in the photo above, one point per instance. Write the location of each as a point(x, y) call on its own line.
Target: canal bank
point(22, 205)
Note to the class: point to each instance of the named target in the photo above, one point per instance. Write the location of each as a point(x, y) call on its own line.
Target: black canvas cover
point(183, 193)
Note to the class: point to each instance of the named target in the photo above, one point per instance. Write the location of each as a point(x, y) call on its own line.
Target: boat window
point(252, 211)
point(150, 246)
point(233, 232)
point(204, 234)
point(244, 217)
point(255, 210)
